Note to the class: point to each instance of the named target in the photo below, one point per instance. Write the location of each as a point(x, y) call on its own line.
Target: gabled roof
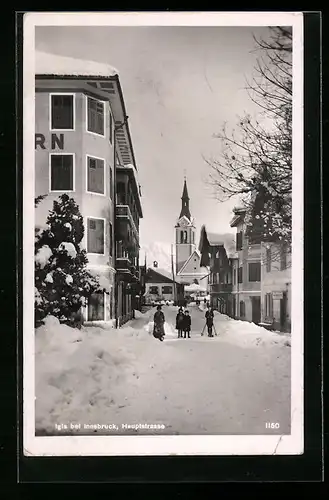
point(216, 239)
point(162, 273)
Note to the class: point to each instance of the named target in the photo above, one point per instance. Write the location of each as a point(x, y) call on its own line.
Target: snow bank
point(79, 372)
point(139, 314)
point(247, 334)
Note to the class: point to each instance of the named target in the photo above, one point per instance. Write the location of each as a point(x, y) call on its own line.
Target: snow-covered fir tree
point(62, 282)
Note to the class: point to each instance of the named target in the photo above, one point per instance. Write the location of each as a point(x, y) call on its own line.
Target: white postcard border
point(162, 445)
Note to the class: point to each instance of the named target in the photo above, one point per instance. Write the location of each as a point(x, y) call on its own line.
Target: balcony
point(221, 288)
point(123, 213)
point(125, 264)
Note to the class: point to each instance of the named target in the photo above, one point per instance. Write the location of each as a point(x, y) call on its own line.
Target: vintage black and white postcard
point(163, 233)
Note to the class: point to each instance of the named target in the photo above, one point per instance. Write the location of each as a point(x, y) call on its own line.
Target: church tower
point(185, 232)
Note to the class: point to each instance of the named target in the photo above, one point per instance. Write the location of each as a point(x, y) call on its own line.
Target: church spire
point(185, 202)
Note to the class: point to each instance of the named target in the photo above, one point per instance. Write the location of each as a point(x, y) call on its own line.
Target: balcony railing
point(221, 287)
point(123, 212)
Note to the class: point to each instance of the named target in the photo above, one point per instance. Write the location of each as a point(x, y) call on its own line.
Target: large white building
point(83, 148)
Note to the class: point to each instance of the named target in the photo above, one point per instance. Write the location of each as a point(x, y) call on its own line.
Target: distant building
point(159, 285)
point(217, 253)
point(83, 148)
point(246, 272)
point(276, 286)
point(188, 267)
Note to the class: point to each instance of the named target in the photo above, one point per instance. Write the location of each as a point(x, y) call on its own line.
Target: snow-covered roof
point(226, 240)
point(164, 272)
point(54, 64)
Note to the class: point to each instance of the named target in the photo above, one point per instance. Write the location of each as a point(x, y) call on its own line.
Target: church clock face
point(184, 223)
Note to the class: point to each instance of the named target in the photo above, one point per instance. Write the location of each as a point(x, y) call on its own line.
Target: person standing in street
point(159, 321)
point(210, 321)
point(187, 324)
point(179, 322)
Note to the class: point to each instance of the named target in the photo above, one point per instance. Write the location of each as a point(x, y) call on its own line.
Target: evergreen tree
point(62, 282)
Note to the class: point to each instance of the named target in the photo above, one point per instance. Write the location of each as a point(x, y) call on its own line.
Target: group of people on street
point(183, 323)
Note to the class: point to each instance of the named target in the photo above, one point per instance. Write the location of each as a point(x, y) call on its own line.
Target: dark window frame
point(95, 117)
point(283, 257)
point(71, 175)
point(103, 306)
point(252, 267)
point(91, 158)
point(95, 220)
point(268, 259)
point(240, 274)
point(70, 115)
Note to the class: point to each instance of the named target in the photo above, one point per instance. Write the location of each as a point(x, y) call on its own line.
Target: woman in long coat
point(159, 321)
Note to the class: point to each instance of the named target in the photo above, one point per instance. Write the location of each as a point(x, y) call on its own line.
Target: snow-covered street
point(233, 383)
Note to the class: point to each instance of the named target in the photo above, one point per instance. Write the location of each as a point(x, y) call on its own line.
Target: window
point(95, 116)
point(193, 238)
point(121, 194)
point(254, 271)
point(269, 305)
point(239, 241)
point(111, 182)
point(111, 240)
point(95, 175)
point(240, 275)
point(283, 257)
point(181, 236)
point(185, 237)
point(95, 235)
point(242, 309)
point(61, 172)
point(166, 289)
point(234, 276)
point(268, 260)
point(61, 112)
point(96, 307)
point(154, 290)
point(111, 128)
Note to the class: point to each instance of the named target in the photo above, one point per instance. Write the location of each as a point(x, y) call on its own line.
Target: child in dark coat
point(187, 324)
point(179, 322)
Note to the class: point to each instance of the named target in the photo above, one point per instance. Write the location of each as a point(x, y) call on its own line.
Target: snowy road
point(191, 386)
point(204, 385)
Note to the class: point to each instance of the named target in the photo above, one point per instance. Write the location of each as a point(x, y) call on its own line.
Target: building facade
point(246, 273)
point(159, 285)
point(217, 254)
point(276, 286)
point(79, 108)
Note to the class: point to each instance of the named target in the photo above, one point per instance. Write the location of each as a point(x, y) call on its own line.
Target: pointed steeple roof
point(185, 203)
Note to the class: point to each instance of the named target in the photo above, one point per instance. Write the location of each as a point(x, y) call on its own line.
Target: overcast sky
point(179, 84)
